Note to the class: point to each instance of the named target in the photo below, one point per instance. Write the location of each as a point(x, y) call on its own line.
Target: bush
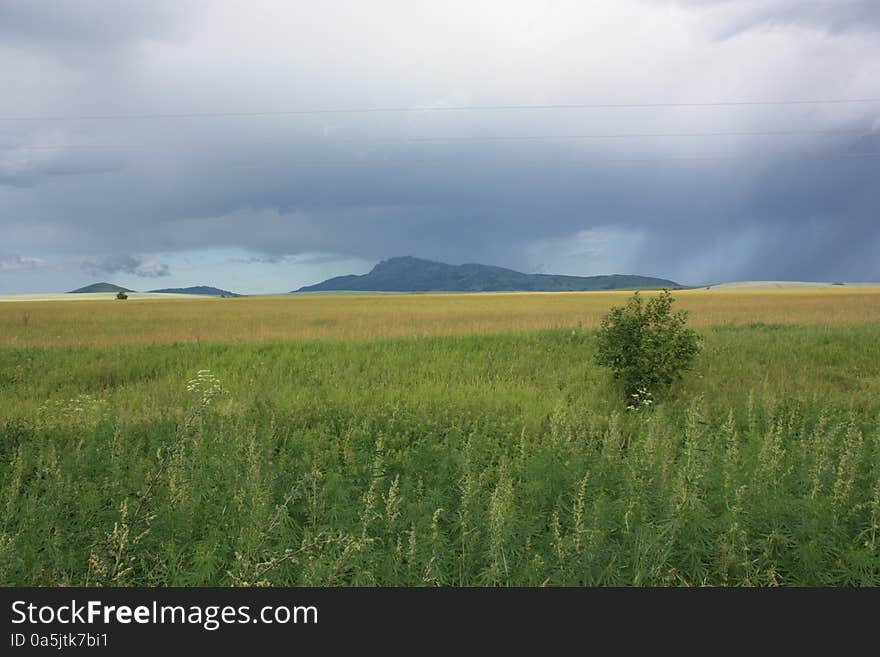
point(646, 345)
point(121, 296)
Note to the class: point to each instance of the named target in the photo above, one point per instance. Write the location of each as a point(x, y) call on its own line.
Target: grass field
point(92, 296)
point(295, 317)
point(435, 439)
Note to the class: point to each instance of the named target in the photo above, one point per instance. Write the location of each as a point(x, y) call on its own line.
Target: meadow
point(294, 317)
point(426, 440)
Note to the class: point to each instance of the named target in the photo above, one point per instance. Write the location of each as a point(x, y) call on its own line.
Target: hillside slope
point(408, 274)
point(203, 290)
point(100, 287)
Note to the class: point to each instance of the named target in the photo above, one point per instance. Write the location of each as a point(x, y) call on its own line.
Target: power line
point(701, 158)
point(465, 138)
point(697, 158)
point(449, 108)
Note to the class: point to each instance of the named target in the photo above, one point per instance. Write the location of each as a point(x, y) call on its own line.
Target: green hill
point(408, 274)
point(100, 287)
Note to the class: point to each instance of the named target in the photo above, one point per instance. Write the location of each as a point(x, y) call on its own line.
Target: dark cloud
point(127, 264)
point(278, 258)
point(20, 263)
point(91, 23)
point(27, 169)
point(258, 260)
point(343, 187)
point(485, 207)
point(831, 16)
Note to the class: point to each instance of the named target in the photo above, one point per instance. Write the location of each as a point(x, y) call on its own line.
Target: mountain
point(204, 290)
point(408, 274)
point(198, 289)
point(100, 287)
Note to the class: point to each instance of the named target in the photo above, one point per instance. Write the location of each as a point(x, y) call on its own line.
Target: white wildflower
point(642, 398)
point(206, 386)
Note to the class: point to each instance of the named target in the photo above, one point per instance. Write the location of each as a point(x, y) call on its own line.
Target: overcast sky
point(98, 182)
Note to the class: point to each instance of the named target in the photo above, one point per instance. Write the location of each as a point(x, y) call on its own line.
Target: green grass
point(499, 459)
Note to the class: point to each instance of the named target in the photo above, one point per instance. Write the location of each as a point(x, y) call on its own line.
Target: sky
point(264, 145)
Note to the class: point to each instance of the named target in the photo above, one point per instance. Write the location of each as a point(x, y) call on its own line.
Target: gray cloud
point(91, 23)
point(27, 169)
point(320, 189)
point(731, 17)
point(143, 267)
point(279, 258)
point(587, 253)
point(19, 263)
point(258, 260)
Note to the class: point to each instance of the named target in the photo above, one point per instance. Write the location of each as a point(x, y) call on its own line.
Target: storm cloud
point(730, 17)
point(126, 264)
point(17, 263)
point(170, 131)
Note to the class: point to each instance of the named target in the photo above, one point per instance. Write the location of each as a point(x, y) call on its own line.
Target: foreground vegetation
point(500, 459)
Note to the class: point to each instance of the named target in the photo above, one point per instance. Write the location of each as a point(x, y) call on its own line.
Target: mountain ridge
point(202, 290)
point(99, 287)
point(410, 274)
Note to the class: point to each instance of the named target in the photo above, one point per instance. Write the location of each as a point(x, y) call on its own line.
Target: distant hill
point(100, 287)
point(204, 290)
point(408, 274)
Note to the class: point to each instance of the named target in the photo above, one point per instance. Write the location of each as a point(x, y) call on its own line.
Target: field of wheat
point(295, 317)
point(426, 440)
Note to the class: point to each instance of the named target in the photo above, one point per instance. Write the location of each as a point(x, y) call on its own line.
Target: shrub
point(121, 295)
point(646, 345)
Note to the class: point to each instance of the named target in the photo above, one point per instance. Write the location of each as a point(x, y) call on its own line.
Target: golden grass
point(157, 321)
point(93, 296)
